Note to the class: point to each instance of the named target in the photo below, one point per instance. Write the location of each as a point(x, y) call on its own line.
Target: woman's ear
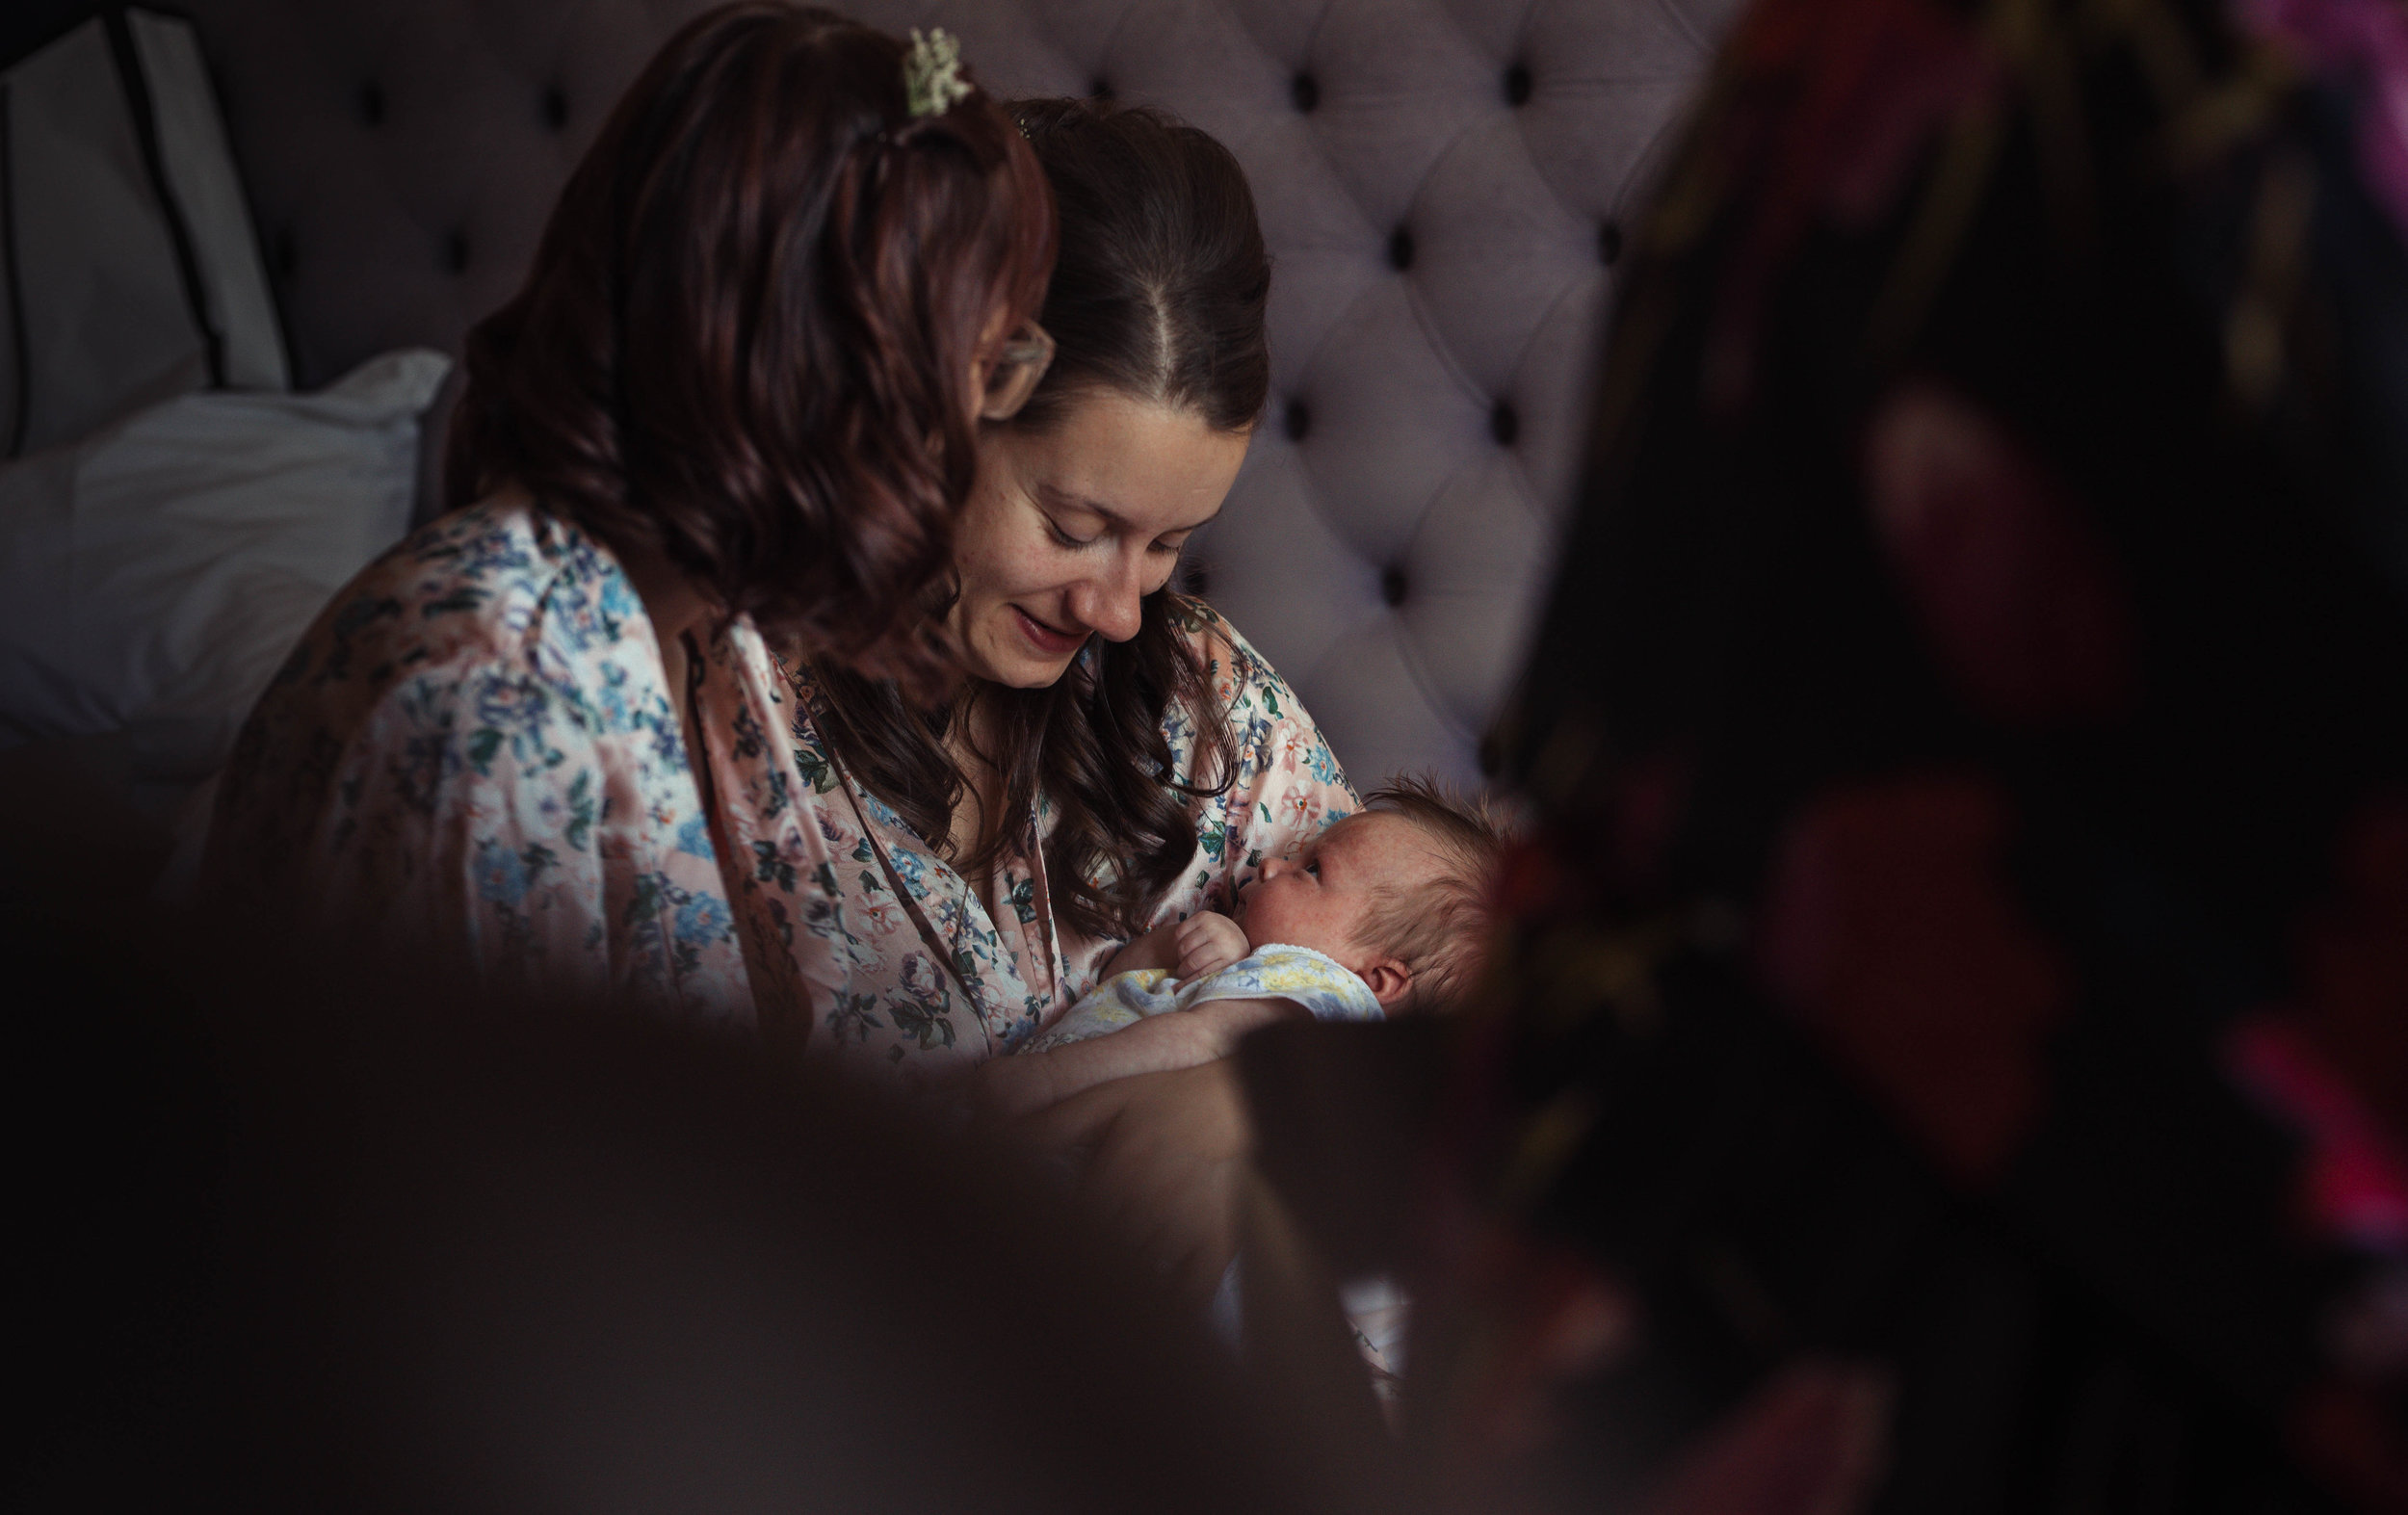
point(1389, 980)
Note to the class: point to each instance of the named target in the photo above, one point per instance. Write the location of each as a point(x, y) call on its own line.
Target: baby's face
point(1320, 897)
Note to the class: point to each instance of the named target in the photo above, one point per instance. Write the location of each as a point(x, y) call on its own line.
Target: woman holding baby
point(1118, 756)
point(801, 655)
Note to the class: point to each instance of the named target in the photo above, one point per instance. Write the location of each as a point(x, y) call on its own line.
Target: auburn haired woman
point(1118, 755)
point(739, 396)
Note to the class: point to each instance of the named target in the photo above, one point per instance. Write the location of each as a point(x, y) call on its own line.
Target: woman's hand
point(1024, 1083)
point(1208, 943)
point(1169, 1152)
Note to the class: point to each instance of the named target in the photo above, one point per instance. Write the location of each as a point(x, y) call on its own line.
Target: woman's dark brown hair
point(1158, 293)
point(747, 336)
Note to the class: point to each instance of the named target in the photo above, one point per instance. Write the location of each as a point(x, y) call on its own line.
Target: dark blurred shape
point(1338, 1118)
point(1952, 1050)
point(294, 1239)
point(28, 25)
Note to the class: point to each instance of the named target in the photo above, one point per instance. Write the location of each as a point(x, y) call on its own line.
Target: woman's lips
point(1046, 638)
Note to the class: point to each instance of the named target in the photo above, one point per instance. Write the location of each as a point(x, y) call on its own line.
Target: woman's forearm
point(1158, 1044)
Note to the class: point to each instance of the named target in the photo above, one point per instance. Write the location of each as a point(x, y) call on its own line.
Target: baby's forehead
point(1392, 829)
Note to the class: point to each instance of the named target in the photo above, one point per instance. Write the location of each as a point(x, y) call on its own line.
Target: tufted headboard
point(1443, 183)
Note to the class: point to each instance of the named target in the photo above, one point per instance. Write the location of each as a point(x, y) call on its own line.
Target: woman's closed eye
point(1063, 538)
point(1068, 542)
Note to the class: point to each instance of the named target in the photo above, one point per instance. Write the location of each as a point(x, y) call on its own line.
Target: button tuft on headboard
point(1297, 421)
point(554, 107)
point(372, 103)
point(1304, 92)
point(1610, 243)
point(1100, 90)
point(1504, 424)
point(1400, 249)
point(1517, 85)
point(456, 253)
point(1392, 585)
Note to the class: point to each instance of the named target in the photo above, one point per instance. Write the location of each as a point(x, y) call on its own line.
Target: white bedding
point(154, 575)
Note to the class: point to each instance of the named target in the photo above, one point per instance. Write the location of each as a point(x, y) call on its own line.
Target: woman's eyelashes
point(1063, 538)
point(1070, 541)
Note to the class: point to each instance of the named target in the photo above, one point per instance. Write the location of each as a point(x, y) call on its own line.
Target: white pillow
point(154, 575)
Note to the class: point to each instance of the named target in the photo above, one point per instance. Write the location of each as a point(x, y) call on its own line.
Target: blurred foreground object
point(1953, 1053)
point(305, 1241)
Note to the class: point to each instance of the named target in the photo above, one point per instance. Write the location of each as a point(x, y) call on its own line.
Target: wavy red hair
point(747, 341)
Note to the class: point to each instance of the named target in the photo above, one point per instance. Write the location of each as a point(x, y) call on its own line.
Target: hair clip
point(932, 81)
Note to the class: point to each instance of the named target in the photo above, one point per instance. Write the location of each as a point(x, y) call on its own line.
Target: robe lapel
point(778, 867)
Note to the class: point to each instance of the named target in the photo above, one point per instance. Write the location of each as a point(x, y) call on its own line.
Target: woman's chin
point(1014, 660)
point(1051, 675)
point(1025, 671)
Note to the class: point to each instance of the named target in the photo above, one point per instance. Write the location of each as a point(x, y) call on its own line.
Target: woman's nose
point(1110, 604)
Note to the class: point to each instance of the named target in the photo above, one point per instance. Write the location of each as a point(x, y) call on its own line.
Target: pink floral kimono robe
point(474, 747)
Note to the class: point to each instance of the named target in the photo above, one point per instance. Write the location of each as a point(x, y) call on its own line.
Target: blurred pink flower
point(2018, 597)
point(1889, 930)
point(2362, 44)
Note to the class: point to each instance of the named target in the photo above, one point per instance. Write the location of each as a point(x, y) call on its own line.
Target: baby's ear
point(1388, 980)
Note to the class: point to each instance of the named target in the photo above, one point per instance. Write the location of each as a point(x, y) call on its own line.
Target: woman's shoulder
point(489, 641)
point(1239, 673)
point(499, 587)
point(1272, 731)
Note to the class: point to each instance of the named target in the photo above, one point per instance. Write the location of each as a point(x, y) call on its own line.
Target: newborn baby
point(1381, 914)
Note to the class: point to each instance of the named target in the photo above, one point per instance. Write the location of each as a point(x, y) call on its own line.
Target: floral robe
point(908, 915)
point(473, 748)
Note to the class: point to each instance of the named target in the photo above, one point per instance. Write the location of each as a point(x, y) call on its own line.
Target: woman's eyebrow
point(1065, 500)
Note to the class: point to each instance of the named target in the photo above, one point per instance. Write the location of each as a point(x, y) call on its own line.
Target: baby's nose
point(1273, 866)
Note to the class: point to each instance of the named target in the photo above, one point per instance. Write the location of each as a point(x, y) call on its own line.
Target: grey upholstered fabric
point(1442, 181)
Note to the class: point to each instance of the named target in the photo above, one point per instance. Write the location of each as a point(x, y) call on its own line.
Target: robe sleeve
point(454, 808)
point(1288, 787)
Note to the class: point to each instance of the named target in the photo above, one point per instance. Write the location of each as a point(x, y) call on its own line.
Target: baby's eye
point(1312, 866)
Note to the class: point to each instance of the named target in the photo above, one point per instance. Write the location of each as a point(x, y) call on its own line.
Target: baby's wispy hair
point(1438, 933)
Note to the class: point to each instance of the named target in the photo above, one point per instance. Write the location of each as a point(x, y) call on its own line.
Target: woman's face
point(1068, 530)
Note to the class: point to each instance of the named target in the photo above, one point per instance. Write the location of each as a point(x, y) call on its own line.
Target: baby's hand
point(1208, 943)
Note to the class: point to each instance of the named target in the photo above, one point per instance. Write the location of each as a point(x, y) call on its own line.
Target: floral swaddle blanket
point(1298, 975)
